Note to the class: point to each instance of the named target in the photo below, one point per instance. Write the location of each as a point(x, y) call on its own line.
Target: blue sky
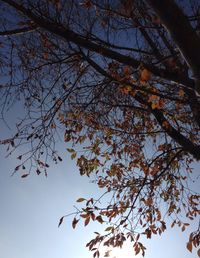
point(31, 208)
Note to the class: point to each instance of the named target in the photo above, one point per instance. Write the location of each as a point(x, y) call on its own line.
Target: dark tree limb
point(186, 38)
point(18, 31)
point(81, 41)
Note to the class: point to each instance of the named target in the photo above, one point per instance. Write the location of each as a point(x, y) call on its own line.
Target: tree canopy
point(119, 80)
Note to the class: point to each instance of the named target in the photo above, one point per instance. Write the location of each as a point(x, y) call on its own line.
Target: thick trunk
point(182, 33)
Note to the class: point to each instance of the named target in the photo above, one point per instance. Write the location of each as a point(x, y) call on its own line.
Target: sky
point(31, 209)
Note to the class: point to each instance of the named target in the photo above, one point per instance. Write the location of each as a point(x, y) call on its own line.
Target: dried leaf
point(80, 200)
point(189, 246)
point(87, 220)
point(108, 228)
point(145, 75)
point(24, 175)
point(74, 222)
point(61, 221)
point(99, 219)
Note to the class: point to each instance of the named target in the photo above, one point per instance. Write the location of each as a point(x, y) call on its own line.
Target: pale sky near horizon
point(31, 209)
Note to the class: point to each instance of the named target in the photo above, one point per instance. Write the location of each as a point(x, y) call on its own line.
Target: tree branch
point(79, 40)
point(186, 38)
point(18, 31)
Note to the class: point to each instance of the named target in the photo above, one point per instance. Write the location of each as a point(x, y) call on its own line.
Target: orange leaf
point(80, 200)
point(126, 89)
point(166, 125)
point(198, 252)
point(149, 201)
point(145, 75)
point(189, 246)
point(181, 93)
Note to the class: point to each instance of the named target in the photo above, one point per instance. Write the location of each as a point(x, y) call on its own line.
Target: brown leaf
point(87, 220)
point(74, 222)
point(61, 221)
point(99, 219)
point(85, 215)
point(189, 246)
point(183, 228)
point(59, 158)
point(24, 175)
point(145, 75)
point(80, 200)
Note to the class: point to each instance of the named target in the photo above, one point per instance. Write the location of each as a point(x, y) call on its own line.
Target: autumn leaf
point(70, 150)
point(46, 55)
point(87, 220)
point(166, 125)
point(149, 201)
point(127, 71)
point(145, 75)
point(24, 175)
point(73, 156)
point(183, 228)
point(67, 137)
point(107, 253)
point(74, 223)
point(181, 93)
point(61, 221)
point(80, 200)
point(53, 126)
point(198, 252)
point(108, 228)
point(126, 89)
point(189, 246)
point(99, 219)
point(96, 254)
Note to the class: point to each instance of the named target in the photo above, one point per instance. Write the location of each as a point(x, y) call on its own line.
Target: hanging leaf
point(24, 175)
point(61, 221)
point(74, 223)
point(145, 75)
point(189, 246)
point(87, 220)
point(80, 200)
point(59, 158)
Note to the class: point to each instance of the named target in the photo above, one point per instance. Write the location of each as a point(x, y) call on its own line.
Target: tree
point(122, 80)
